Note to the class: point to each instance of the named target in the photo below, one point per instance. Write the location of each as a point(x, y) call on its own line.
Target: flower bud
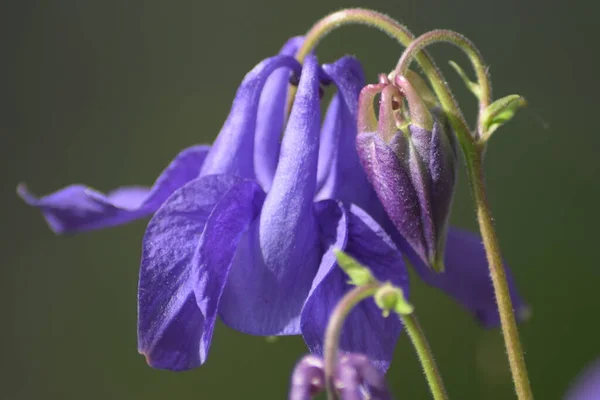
point(410, 160)
point(355, 378)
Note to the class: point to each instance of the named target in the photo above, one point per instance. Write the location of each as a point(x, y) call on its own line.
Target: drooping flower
point(260, 260)
point(587, 385)
point(355, 378)
point(411, 167)
point(246, 232)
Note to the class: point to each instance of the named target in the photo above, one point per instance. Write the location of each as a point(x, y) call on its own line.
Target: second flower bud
point(410, 159)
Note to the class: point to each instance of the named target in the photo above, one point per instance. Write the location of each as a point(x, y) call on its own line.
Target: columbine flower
point(245, 229)
point(242, 236)
point(221, 245)
point(355, 378)
point(411, 167)
point(587, 385)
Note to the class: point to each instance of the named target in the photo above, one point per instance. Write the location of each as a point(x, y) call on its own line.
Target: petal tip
point(23, 193)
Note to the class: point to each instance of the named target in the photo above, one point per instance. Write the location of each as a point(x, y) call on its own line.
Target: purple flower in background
point(587, 385)
point(355, 377)
point(244, 230)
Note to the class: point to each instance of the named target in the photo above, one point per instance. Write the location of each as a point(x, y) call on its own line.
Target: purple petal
point(437, 156)
point(587, 386)
point(308, 378)
point(394, 187)
point(222, 233)
point(330, 136)
point(78, 208)
point(365, 329)
point(170, 323)
point(233, 150)
point(275, 265)
point(270, 119)
point(348, 381)
point(467, 279)
point(338, 158)
point(368, 376)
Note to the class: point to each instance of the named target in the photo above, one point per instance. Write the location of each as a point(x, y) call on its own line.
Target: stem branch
point(334, 331)
point(419, 341)
point(401, 34)
point(416, 334)
point(460, 41)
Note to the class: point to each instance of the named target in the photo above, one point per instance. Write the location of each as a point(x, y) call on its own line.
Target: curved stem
point(443, 35)
point(498, 276)
point(334, 331)
point(403, 36)
point(416, 334)
point(419, 341)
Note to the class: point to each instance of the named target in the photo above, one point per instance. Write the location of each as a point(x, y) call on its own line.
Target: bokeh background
point(106, 92)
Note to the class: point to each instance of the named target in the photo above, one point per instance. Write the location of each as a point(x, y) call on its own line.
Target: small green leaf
point(391, 298)
point(472, 86)
point(358, 273)
point(500, 112)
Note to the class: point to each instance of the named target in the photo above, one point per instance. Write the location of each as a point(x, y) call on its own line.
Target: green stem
point(473, 155)
point(419, 341)
point(443, 35)
point(510, 331)
point(401, 34)
point(334, 331)
point(416, 334)
point(472, 150)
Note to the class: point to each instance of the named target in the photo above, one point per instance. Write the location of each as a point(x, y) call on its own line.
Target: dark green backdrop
point(107, 92)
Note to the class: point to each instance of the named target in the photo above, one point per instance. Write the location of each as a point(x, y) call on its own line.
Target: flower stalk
point(474, 149)
point(384, 295)
point(334, 331)
point(472, 144)
point(510, 331)
point(430, 369)
point(403, 36)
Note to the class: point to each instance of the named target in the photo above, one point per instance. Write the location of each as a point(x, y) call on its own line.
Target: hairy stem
point(416, 334)
point(510, 331)
point(401, 34)
point(460, 41)
point(419, 341)
point(334, 331)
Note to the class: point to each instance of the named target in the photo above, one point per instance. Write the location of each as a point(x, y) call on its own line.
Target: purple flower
point(355, 377)
point(587, 385)
point(244, 230)
point(256, 249)
point(413, 169)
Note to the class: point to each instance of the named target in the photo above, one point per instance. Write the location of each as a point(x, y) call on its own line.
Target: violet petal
point(394, 187)
point(233, 150)
point(467, 279)
point(276, 262)
point(339, 141)
point(170, 324)
point(78, 208)
point(270, 118)
point(308, 378)
point(365, 331)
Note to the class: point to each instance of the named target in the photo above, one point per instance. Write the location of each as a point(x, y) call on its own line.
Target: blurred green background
point(106, 92)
